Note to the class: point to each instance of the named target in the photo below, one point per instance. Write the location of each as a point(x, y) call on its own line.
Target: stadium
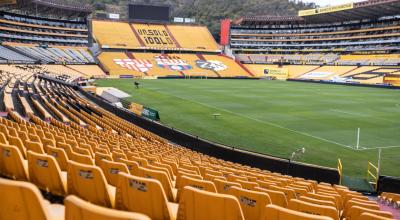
point(148, 116)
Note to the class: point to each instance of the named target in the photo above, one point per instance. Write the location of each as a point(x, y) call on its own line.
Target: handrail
point(372, 173)
point(340, 170)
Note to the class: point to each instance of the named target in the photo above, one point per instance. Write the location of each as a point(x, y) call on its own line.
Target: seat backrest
point(161, 177)
point(138, 194)
point(195, 183)
point(369, 216)
point(21, 200)
point(199, 204)
point(78, 209)
point(11, 163)
point(111, 169)
point(15, 141)
point(45, 173)
point(365, 204)
point(355, 212)
point(289, 193)
point(179, 177)
point(80, 158)
point(60, 156)
point(252, 202)
point(314, 209)
point(133, 166)
point(277, 198)
point(34, 146)
point(88, 182)
point(279, 213)
point(223, 186)
point(317, 201)
point(324, 197)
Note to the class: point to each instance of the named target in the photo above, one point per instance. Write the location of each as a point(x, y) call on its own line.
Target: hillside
point(210, 12)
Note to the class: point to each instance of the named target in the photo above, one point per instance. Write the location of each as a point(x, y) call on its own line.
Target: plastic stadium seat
point(12, 165)
point(99, 156)
point(252, 202)
point(22, 200)
point(274, 212)
point(144, 195)
point(355, 212)
point(195, 183)
point(60, 156)
point(89, 183)
point(34, 146)
point(289, 193)
point(317, 201)
point(111, 169)
point(223, 186)
point(277, 198)
point(199, 204)
point(78, 209)
point(162, 177)
point(46, 174)
point(369, 216)
point(15, 141)
point(80, 158)
point(365, 204)
point(314, 209)
point(3, 139)
point(325, 198)
point(133, 166)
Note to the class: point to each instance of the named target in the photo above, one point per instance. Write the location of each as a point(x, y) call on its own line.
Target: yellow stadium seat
point(34, 146)
point(60, 156)
point(365, 204)
point(78, 209)
point(317, 201)
point(133, 166)
point(162, 177)
point(325, 198)
point(199, 204)
point(100, 156)
point(46, 174)
point(369, 216)
point(80, 158)
point(3, 139)
point(89, 183)
point(355, 212)
point(252, 202)
point(289, 193)
point(15, 141)
point(314, 209)
point(279, 213)
point(111, 169)
point(22, 200)
point(277, 198)
point(195, 183)
point(12, 165)
point(223, 186)
point(144, 195)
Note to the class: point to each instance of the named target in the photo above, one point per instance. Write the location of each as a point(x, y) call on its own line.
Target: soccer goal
point(196, 76)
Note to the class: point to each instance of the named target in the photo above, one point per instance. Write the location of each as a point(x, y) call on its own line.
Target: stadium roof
point(60, 7)
point(370, 9)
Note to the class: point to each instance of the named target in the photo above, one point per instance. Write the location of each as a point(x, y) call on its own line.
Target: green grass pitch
point(276, 117)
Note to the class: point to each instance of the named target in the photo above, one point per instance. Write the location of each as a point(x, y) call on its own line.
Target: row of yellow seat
point(390, 198)
point(95, 157)
point(153, 64)
point(123, 35)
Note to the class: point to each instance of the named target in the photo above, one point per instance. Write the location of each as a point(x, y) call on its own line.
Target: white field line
point(266, 122)
point(348, 113)
point(374, 148)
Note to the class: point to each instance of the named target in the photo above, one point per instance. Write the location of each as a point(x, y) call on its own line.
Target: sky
point(331, 2)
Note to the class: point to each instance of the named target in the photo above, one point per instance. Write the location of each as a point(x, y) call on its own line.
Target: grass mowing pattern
point(276, 118)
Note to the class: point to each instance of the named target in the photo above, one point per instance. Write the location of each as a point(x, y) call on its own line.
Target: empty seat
point(60, 156)
point(369, 216)
point(89, 183)
point(22, 200)
point(199, 204)
point(274, 212)
point(277, 198)
point(78, 209)
point(147, 196)
point(111, 170)
point(314, 209)
point(195, 183)
point(355, 212)
point(317, 201)
point(252, 202)
point(162, 177)
point(46, 174)
point(223, 186)
point(12, 165)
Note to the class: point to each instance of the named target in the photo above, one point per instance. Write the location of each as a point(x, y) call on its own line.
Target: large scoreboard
point(148, 13)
